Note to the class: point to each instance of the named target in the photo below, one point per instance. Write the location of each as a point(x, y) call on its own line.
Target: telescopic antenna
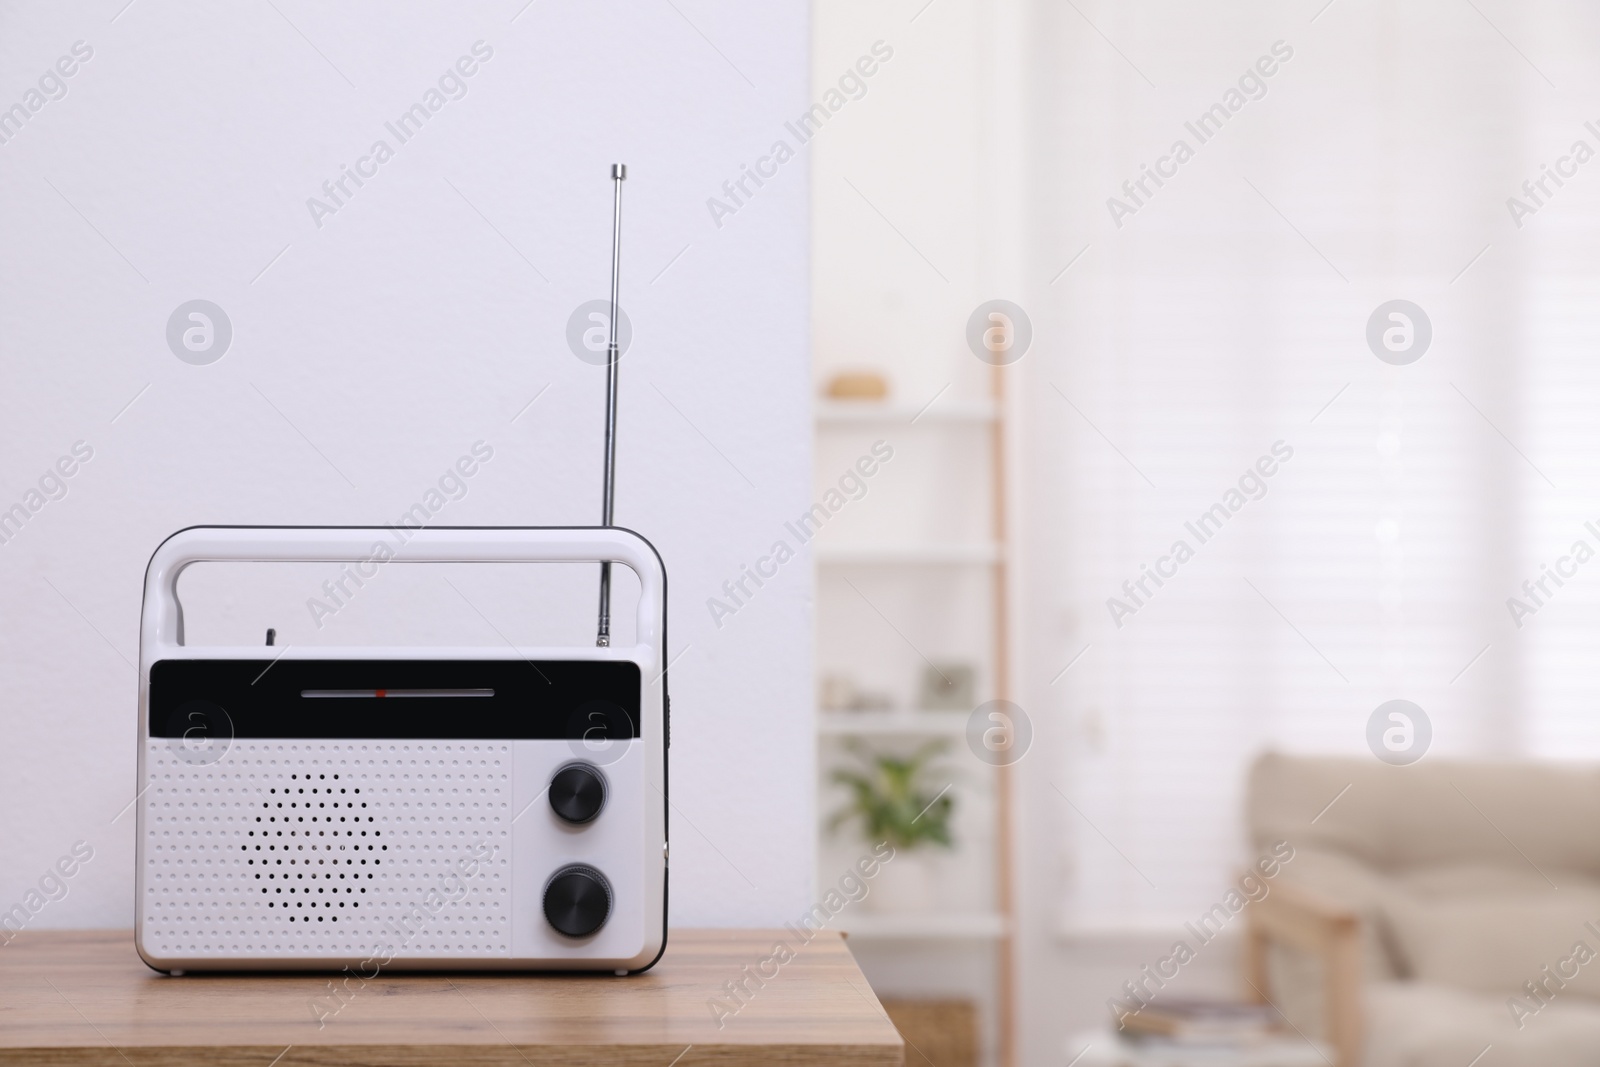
point(619, 174)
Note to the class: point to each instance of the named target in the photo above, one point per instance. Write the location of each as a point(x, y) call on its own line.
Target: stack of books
point(1202, 1022)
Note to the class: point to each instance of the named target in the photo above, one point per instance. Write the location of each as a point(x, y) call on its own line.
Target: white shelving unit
point(908, 555)
point(971, 569)
point(915, 571)
point(958, 926)
point(891, 723)
point(856, 413)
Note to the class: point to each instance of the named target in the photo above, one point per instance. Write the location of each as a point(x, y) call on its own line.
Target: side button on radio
point(578, 792)
point(577, 900)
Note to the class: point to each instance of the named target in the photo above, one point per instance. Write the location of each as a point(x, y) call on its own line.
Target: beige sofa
point(1437, 915)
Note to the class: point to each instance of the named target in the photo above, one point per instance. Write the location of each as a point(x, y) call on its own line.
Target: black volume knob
point(577, 792)
point(577, 900)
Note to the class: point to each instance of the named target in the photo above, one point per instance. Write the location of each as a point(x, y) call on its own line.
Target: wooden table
point(85, 997)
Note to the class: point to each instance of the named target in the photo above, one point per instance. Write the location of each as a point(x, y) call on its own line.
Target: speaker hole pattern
point(328, 850)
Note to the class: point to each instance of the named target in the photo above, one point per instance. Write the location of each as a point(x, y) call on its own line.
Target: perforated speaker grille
point(328, 849)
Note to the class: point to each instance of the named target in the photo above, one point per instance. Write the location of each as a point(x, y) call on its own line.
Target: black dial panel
point(502, 700)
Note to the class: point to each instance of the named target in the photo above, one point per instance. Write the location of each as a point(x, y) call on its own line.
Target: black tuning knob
point(577, 792)
point(577, 900)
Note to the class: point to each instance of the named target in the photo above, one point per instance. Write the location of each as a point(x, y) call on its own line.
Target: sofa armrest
point(1302, 919)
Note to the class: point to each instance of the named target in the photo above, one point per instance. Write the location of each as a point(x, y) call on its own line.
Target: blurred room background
point(1219, 315)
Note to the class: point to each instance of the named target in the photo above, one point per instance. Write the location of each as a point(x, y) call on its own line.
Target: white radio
point(417, 809)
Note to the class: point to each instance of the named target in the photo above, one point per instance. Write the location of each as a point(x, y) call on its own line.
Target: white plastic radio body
point(318, 808)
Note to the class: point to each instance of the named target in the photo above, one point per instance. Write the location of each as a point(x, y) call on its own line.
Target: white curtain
point(1224, 320)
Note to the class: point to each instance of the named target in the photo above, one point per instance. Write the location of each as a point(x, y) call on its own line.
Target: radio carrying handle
point(162, 629)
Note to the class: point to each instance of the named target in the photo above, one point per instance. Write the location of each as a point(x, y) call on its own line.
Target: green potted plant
point(899, 800)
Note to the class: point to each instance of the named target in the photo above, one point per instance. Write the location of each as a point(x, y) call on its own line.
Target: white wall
point(370, 352)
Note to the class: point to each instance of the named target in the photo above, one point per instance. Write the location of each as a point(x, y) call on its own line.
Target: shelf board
point(1105, 1048)
point(909, 723)
point(907, 555)
point(866, 411)
point(914, 926)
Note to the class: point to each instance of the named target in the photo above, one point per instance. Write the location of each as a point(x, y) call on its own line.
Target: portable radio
point(453, 808)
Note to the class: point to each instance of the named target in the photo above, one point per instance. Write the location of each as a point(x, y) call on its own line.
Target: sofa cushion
point(1433, 813)
point(1496, 942)
point(1418, 1024)
point(1455, 880)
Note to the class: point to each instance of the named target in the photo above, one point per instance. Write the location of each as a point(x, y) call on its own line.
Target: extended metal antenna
point(619, 174)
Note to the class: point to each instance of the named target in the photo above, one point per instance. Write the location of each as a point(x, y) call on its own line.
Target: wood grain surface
point(85, 997)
